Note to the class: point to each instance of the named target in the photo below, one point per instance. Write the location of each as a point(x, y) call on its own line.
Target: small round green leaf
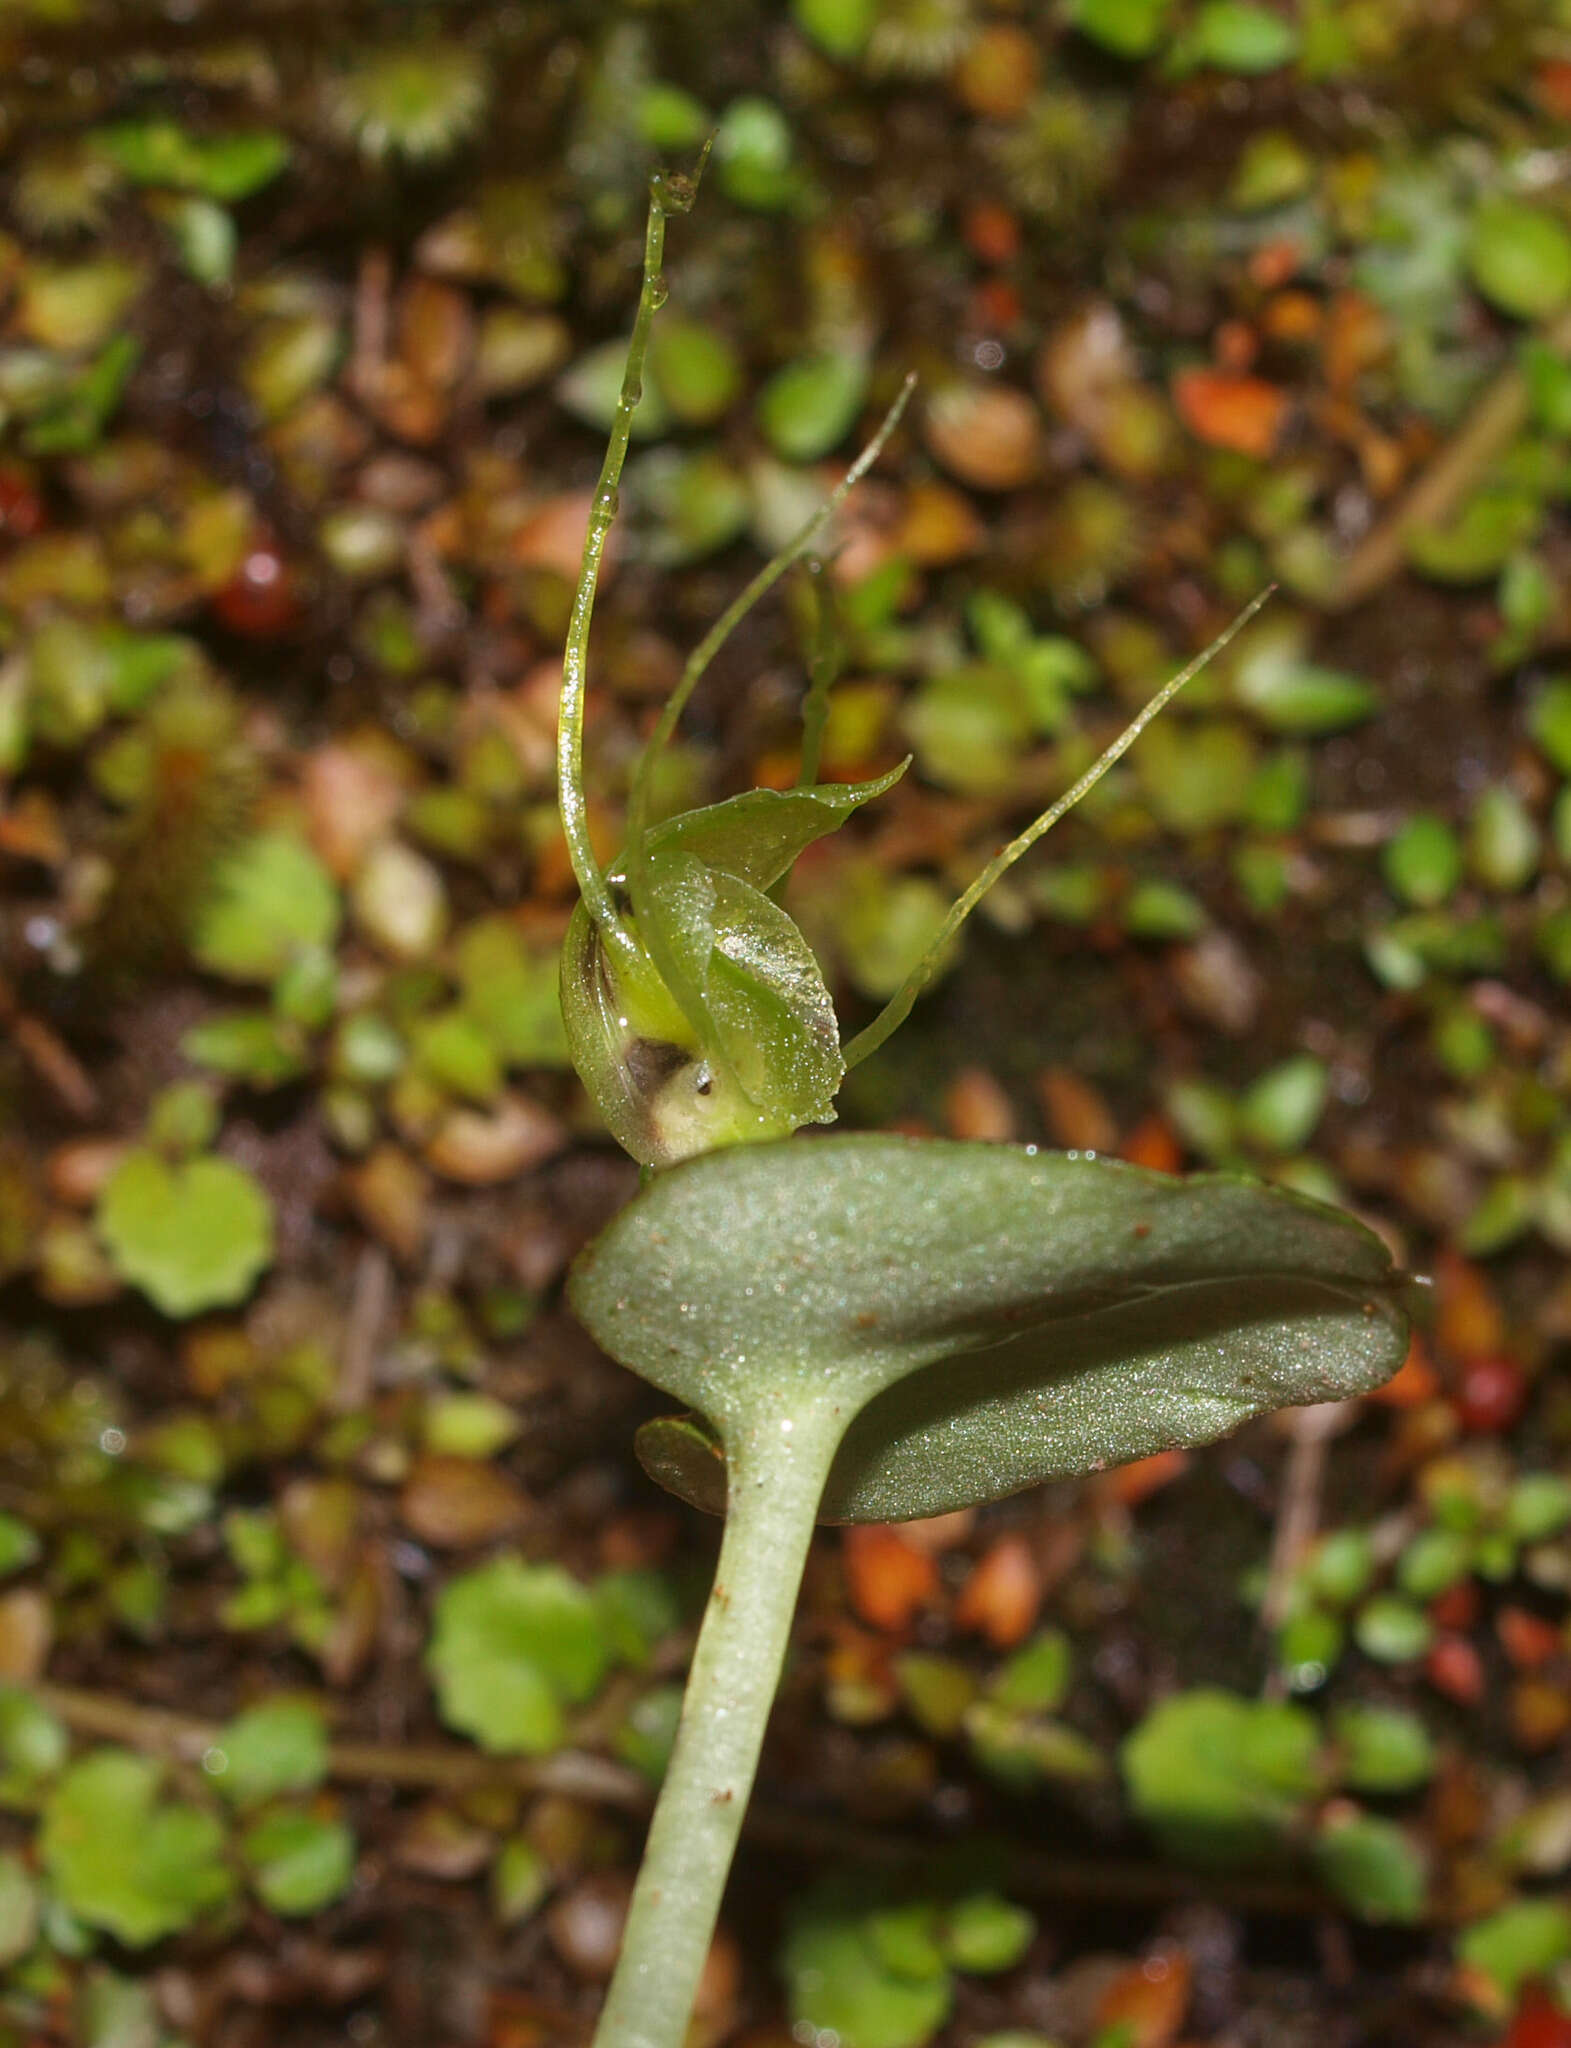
point(279, 1746)
point(1129, 28)
point(1374, 1866)
point(1520, 258)
point(1423, 862)
point(1384, 1749)
point(1526, 1939)
point(192, 1236)
point(840, 1977)
point(121, 1860)
point(985, 1933)
point(1221, 1778)
point(1238, 35)
point(273, 899)
point(299, 1862)
point(512, 1646)
point(810, 406)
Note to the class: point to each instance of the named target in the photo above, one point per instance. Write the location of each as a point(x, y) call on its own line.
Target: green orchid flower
point(697, 1015)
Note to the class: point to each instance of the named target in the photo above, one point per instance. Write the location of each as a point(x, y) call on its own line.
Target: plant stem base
point(777, 1470)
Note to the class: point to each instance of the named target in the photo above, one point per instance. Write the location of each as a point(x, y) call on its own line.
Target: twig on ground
point(575, 1774)
point(61, 1072)
point(1499, 415)
point(369, 1300)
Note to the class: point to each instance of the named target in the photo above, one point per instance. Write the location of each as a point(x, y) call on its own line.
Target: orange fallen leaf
point(1293, 316)
point(976, 1106)
point(1273, 263)
point(1148, 2002)
point(1539, 1712)
point(991, 231)
point(1151, 1144)
point(1469, 1319)
point(1414, 1384)
point(1453, 1667)
point(1358, 335)
point(937, 525)
point(1527, 1639)
point(1001, 1598)
point(1128, 1485)
point(1076, 1111)
point(552, 537)
point(1552, 87)
point(888, 1580)
point(1227, 410)
point(1237, 345)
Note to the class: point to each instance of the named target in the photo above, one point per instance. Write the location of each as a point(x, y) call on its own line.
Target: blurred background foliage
point(340, 1637)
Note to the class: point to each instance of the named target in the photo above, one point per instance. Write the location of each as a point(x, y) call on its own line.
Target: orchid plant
point(864, 1327)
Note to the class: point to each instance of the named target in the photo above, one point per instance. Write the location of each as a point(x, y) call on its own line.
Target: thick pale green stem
point(776, 1473)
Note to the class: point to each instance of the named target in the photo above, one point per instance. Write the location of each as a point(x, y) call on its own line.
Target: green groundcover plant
point(864, 1328)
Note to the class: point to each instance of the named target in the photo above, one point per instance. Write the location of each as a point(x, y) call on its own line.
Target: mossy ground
point(299, 401)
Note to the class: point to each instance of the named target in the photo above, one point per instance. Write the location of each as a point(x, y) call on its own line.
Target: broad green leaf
point(759, 836)
point(120, 1859)
point(299, 1862)
point(1008, 1316)
point(279, 1746)
point(192, 1236)
point(512, 1646)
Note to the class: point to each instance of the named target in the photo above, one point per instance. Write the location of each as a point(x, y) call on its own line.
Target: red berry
point(1527, 1639)
point(21, 508)
point(1539, 2023)
point(259, 601)
point(1456, 1607)
point(1453, 1667)
point(992, 232)
point(1491, 1395)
